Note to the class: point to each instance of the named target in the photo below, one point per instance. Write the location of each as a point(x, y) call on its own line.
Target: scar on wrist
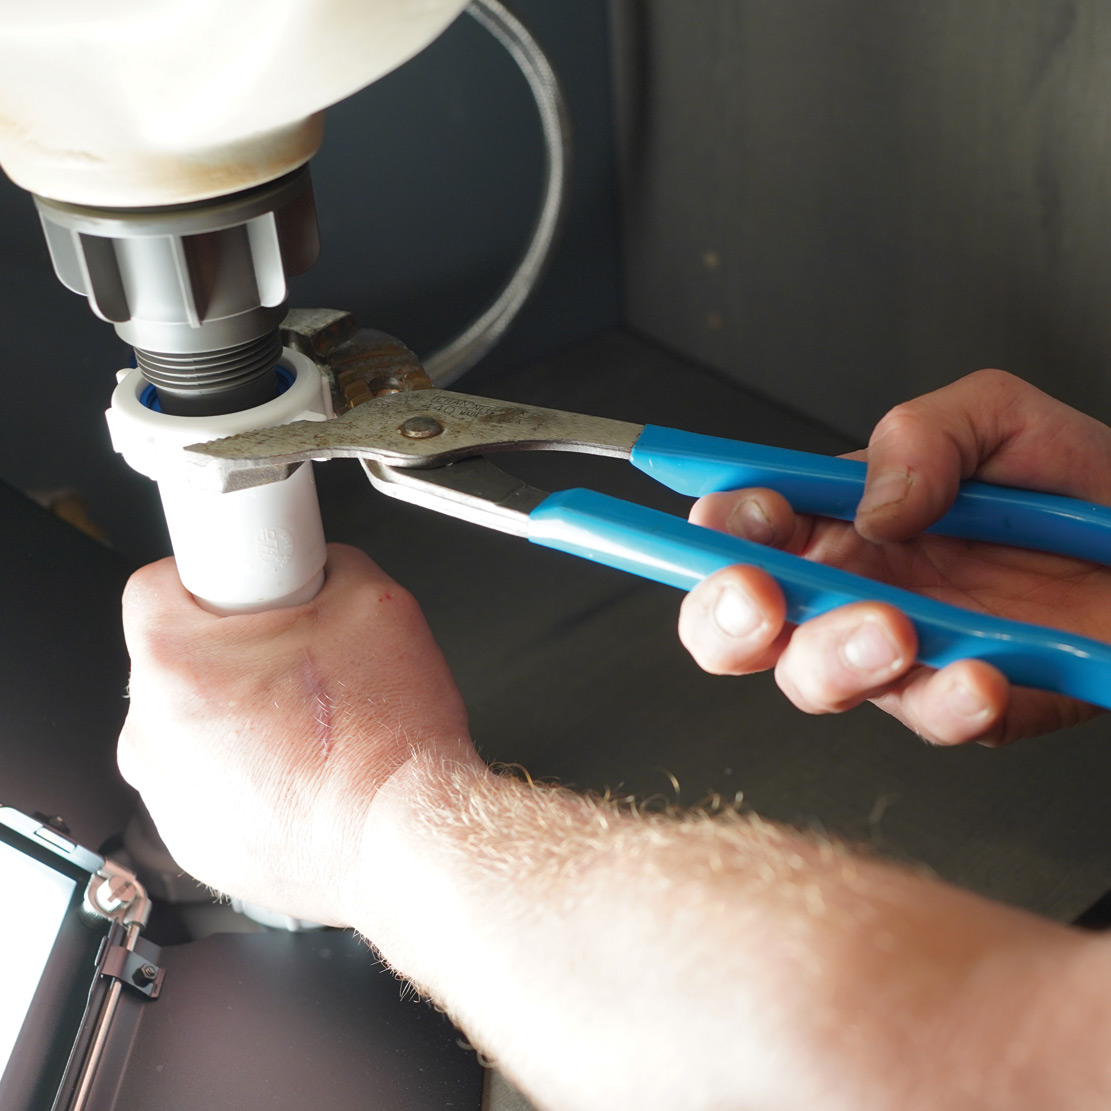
point(324, 711)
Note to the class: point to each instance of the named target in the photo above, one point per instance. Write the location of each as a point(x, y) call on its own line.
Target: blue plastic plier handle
point(669, 550)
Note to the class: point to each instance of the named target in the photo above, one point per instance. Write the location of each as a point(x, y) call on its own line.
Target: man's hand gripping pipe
point(427, 447)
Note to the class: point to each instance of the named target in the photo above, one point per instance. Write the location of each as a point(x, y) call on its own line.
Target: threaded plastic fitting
point(198, 290)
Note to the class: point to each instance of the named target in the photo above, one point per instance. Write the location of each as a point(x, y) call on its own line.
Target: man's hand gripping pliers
point(428, 446)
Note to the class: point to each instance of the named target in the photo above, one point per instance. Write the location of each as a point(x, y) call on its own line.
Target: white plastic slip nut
point(241, 552)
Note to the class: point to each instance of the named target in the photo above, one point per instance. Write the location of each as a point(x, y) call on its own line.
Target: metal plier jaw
point(429, 446)
point(406, 442)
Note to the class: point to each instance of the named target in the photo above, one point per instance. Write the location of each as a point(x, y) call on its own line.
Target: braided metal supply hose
point(476, 340)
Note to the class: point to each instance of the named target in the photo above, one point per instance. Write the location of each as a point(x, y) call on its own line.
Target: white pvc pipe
point(240, 552)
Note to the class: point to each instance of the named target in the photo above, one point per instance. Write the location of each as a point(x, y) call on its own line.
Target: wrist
point(403, 871)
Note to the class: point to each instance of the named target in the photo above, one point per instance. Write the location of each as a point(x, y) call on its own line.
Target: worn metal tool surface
point(422, 428)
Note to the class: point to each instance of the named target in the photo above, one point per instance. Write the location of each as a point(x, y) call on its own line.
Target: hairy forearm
point(606, 958)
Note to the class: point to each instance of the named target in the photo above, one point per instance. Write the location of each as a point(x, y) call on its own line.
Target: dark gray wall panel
point(846, 204)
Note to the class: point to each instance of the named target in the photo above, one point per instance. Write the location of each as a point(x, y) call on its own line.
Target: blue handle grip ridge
point(670, 550)
point(830, 487)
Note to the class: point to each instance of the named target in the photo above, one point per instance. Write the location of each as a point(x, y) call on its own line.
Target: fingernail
point(735, 615)
point(748, 520)
point(883, 490)
point(869, 650)
point(967, 704)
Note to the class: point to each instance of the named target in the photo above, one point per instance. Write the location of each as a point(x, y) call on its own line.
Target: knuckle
point(128, 756)
point(811, 671)
point(801, 684)
point(994, 378)
point(797, 695)
point(402, 603)
point(376, 595)
point(896, 424)
point(703, 646)
point(816, 696)
point(722, 662)
point(155, 653)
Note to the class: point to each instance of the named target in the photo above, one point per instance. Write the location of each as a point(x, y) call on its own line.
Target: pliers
point(428, 447)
